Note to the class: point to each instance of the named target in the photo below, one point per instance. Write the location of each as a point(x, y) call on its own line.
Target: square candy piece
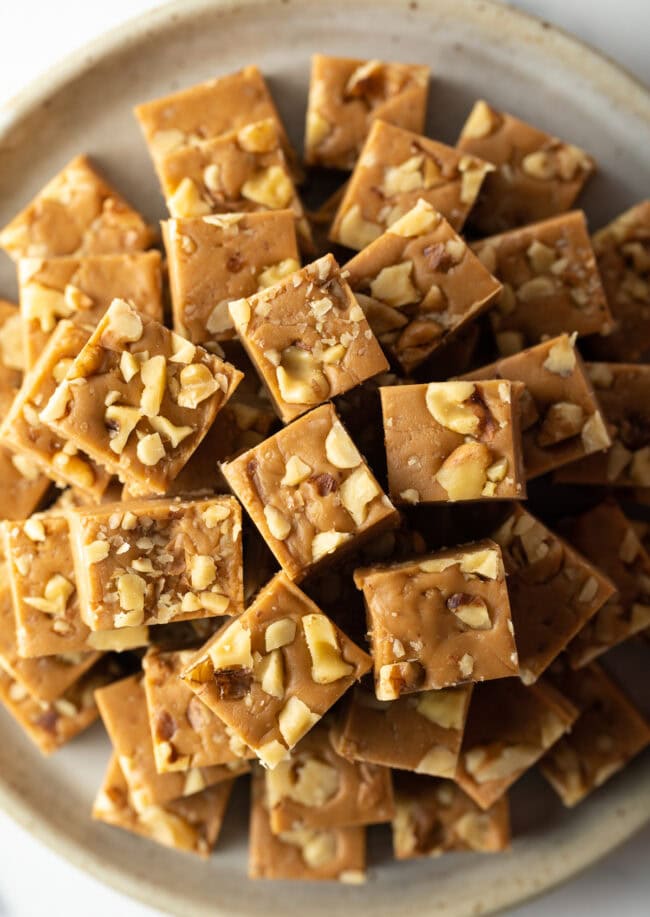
point(12, 362)
point(449, 441)
point(156, 561)
point(550, 282)
point(553, 590)
point(214, 260)
point(346, 95)
point(310, 493)
point(22, 485)
point(302, 853)
point(439, 620)
point(418, 283)
point(271, 674)
point(395, 169)
point(421, 732)
point(509, 728)
point(76, 213)
point(536, 176)
point(435, 816)
point(308, 338)
point(560, 414)
point(139, 399)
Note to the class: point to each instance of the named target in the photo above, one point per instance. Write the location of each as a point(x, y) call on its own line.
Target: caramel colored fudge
point(22, 486)
point(553, 590)
point(76, 213)
point(139, 398)
point(509, 728)
point(560, 414)
point(623, 390)
point(453, 624)
point(156, 561)
point(308, 338)
point(81, 289)
point(536, 175)
point(301, 853)
point(418, 283)
point(12, 362)
point(217, 259)
point(317, 788)
point(185, 733)
point(310, 493)
point(272, 673)
point(449, 441)
point(420, 732)
point(608, 733)
point(434, 816)
point(623, 255)
point(550, 282)
point(607, 538)
point(395, 169)
point(346, 95)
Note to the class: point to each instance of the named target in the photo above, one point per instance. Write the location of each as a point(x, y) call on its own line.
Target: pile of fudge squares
point(358, 514)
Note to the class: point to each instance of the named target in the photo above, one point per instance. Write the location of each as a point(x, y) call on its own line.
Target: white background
point(34, 882)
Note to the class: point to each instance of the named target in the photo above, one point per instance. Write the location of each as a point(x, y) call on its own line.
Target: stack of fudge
point(361, 512)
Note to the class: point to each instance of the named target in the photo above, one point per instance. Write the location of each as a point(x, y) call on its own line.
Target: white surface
point(33, 881)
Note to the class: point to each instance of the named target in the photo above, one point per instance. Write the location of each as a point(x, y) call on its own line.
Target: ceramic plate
point(476, 49)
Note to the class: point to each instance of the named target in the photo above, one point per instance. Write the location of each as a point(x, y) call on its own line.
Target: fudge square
point(156, 561)
point(536, 176)
point(554, 591)
point(213, 260)
point(418, 283)
point(22, 486)
point(310, 493)
point(395, 169)
point(448, 441)
point(346, 95)
point(560, 414)
point(550, 282)
point(608, 733)
point(308, 338)
point(76, 213)
point(139, 398)
point(509, 728)
point(418, 732)
point(272, 673)
point(434, 816)
point(439, 620)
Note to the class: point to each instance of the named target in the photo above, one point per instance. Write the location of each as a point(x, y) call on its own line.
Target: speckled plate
point(475, 49)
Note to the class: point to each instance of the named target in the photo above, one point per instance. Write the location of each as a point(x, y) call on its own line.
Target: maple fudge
point(12, 361)
point(418, 283)
point(77, 213)
point(420, 732)
point(554, 591)
point(508, 730)
point(301, 853)
point(550, 282)
point(560, 414)
point(81, 289)
point(217, 259)
point(318, 788)
point(308, 338)
point(623, 390)
point(23, 487)
point(608, 732)
point(156, 561)
point(310, 493)
point(272, 673)
point(396, 168)
point(608, 539)
point(346, 95)
point(439, 620)
point(536, 175)
point(448, 441)
point(434, 816)
point(185, 733)
point(139, 398)
point(623, 256)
